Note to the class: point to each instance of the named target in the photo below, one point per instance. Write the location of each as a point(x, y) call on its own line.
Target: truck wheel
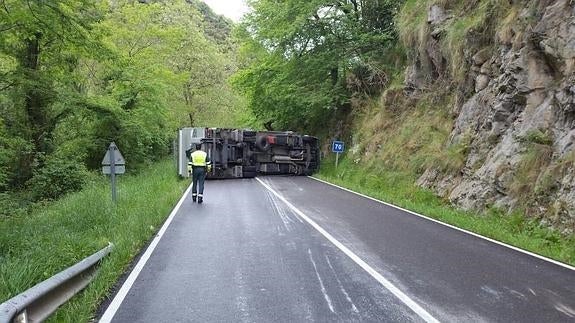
point(262, 143)
point(308, 139)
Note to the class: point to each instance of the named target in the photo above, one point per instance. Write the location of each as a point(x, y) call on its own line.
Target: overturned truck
point(237, 153)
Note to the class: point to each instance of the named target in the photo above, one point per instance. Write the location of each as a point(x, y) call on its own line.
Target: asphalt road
point(293, 249)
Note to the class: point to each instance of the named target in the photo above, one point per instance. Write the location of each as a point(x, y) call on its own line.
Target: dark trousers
point(198, 178)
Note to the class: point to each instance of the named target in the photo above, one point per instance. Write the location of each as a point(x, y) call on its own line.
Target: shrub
point(537, 137)
point(58, 177)
point(9, 204)
point(530, 172)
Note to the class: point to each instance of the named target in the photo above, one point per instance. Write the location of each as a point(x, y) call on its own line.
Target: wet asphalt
point(244, 255)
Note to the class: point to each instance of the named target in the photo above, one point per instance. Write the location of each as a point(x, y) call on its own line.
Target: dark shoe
point(200, 200)
point(194, 199)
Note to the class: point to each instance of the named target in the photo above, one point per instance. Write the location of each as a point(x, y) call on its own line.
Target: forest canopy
point(78, 74)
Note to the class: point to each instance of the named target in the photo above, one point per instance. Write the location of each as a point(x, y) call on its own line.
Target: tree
point(300, 54)
point(33, 34)
point(77, 74)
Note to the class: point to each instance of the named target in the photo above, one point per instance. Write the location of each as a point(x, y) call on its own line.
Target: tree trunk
point(191, 119)
point(268, 125)
point(33, 92)
point(334, 76)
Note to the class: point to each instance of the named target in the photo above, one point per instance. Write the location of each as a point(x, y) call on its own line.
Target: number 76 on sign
point(337, 146)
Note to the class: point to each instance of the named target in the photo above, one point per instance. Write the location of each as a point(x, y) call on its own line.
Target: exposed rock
point(436, 15)
point(414, 79)
point(481, 57)
point(438, 62)
point(519, 90)
point(433, 178)
point(485, 69)
point(481, 82)
point(565, 143)
point(555, 34)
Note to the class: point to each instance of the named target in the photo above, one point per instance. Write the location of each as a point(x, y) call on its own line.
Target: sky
point(233, 9)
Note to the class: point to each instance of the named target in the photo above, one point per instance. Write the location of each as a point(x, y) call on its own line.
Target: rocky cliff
point(513, 72)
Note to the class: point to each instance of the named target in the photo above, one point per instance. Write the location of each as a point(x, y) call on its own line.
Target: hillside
point(484, 112)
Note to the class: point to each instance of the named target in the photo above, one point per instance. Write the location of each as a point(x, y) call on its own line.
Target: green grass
point(57, 235)
point(398, 188)
point(412, 25)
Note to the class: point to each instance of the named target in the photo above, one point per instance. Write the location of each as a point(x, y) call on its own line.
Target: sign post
point(113, 163)
point(337, 147)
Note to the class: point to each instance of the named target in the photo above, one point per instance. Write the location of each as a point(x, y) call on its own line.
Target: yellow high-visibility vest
point(199, 158)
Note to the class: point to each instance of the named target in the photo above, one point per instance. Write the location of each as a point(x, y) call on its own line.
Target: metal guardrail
point(38, 302)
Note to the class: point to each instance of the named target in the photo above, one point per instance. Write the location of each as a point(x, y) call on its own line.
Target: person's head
point(198, 146)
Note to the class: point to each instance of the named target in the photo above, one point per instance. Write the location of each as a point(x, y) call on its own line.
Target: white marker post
point(113, 163)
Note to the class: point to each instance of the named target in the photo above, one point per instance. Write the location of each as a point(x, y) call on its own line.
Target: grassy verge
point(399, 189)
point(36, 246)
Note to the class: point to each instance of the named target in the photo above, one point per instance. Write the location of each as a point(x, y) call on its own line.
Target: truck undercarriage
point(238, 153)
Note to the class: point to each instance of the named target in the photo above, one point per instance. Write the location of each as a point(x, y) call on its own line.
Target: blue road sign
point(337, 146)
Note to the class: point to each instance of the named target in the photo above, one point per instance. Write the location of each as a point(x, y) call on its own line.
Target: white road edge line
point(117, 301)
point(382, 280)
point(452, 226)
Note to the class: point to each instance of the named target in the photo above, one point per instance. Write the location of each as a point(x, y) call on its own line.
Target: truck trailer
point(242, 153)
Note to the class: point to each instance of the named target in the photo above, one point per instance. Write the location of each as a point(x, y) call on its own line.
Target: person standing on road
point(200, 164)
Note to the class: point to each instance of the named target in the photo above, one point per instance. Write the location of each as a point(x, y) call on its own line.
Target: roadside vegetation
point(78, 74)
point(398, 188)
point(56, 235)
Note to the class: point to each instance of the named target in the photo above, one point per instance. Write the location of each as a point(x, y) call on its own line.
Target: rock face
point(518, 116)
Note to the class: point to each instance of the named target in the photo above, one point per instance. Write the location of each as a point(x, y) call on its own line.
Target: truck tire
point(308, 139)
point(262, 143)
